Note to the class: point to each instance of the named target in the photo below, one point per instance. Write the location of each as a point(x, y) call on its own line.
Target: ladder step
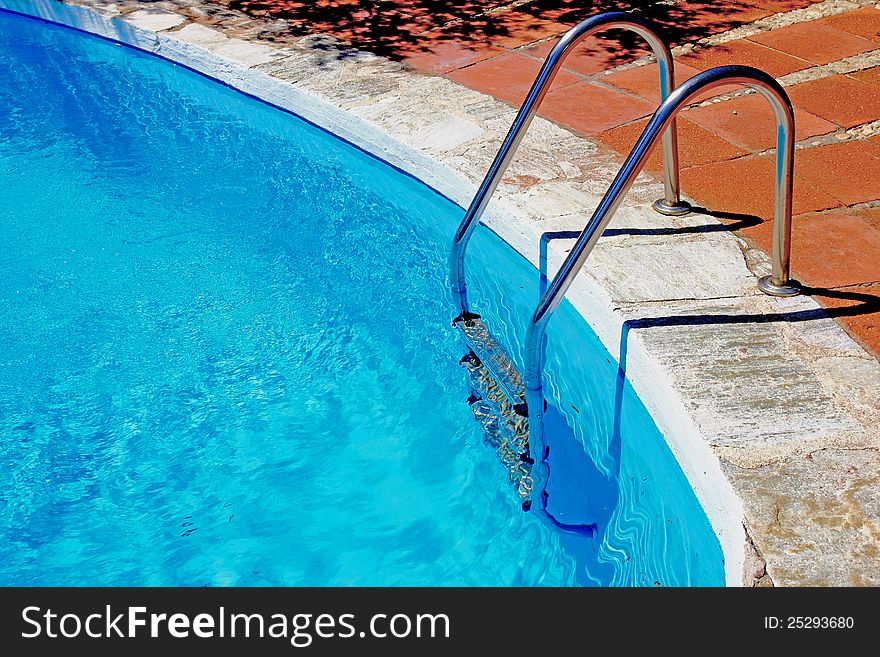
point(510, 459)
point(498, 402)
point(513, 427)
point(494, 358)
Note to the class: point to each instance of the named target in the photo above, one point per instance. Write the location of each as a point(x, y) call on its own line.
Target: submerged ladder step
point(494, 358)
point(497, 401)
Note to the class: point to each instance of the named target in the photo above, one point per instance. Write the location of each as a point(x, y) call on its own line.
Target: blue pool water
point(226, 358)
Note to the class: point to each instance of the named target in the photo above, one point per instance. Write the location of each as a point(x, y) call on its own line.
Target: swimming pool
point(227, 358)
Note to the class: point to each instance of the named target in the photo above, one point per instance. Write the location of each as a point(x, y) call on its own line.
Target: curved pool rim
point(695, 457)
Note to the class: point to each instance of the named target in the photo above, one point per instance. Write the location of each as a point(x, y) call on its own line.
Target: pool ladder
point(511, 406)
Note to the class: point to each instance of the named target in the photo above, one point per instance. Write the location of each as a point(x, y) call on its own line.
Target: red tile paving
point(570, 12)
point(448, 55)
point(864, 322)
point(871, 215)
point(871, 75)
point(440, 13)
point(814, 42)
point(591, 109)
point(746, 52)
point(849, 171)
point(862, 22)
point(644, 81)
point(745, 186)
point(591, 56)
point(688, 21)
point(512, 29)
point(508, 77)
point(779, 6)
point(714, 15)
point(845, 101)
point(695, 145)
point(470, 42)
point(821, 242)
point(748, 122)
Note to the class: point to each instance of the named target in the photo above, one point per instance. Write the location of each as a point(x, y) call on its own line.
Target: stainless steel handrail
point(671, 204)
point(777, 283)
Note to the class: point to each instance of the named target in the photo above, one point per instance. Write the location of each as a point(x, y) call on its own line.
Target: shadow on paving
point(734, 220)
point(401, 28)
point(866, 303)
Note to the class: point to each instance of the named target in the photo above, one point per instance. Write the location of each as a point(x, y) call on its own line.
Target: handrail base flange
point(671, 210)
point(767, 286)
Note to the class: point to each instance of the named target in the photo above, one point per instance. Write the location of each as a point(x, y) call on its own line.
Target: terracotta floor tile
point(856, 310)
point(814, 42)
point(442, 13)
point(644, 81)
point(745, 186)
point(721, 12)
point(693, 19)
point(779, 6)
point(746, 52)
point(513, 29)
point(508, 77)
point(570, 12)
point(861, 22)
point(592, 55)
point(871, 215)
point(591, 109)
point(841, 99)
point(869, 75)
point(717, 91)
point(407, 22)
point(835, 249)
point(678, 22)
point(849, 171)
point(695, 145)
point(748, 122)
point(436, 54)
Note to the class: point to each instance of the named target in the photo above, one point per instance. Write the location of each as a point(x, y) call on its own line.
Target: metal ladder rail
point(671, 204)
point(777, 283)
